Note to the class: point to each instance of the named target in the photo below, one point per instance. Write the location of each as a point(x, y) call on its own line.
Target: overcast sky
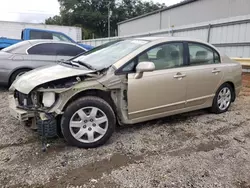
point(36, 11)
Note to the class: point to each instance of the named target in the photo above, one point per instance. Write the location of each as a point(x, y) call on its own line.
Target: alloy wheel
point(88, 124)
point(224, 98)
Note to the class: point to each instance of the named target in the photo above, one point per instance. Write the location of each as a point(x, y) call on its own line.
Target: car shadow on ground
point(3, 88)
point(165, 121)
point(58, 144)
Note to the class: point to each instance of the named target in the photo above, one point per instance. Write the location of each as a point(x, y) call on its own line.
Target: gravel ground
point(195, 149)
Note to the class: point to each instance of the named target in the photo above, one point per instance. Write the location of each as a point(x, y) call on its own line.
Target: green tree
point(92, 15)
point(56, 20)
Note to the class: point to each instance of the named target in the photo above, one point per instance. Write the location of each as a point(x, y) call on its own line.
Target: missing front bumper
point(19, 114)
point(46, 125)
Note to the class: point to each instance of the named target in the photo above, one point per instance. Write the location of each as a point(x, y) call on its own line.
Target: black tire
point(215, 107)
point(16, 73)
point(86, 102)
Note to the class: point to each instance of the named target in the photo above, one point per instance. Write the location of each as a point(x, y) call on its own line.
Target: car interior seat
point(160, 54)
point(175, 56)
point(160, 61)
point(200, 57)
point(143, 57)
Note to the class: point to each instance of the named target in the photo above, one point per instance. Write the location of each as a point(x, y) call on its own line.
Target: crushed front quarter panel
point(73, 91)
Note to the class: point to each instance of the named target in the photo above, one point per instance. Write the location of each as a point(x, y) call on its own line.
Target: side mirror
point(145, 66)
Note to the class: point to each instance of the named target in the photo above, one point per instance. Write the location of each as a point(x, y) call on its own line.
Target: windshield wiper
point(84, 64)
point(69, 63)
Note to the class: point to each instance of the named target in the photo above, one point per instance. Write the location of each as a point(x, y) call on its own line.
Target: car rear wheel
point(88, 122)
point(222, 99)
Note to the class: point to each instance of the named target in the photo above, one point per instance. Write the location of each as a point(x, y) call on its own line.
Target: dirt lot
point(196, 149)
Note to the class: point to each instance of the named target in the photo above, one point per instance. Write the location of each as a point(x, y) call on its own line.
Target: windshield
point(103, 58)
point(95, 49)
point(60, 37)
point(101, 47)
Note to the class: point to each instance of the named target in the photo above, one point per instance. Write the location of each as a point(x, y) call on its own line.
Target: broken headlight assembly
point(44, 99)
point(48, 99)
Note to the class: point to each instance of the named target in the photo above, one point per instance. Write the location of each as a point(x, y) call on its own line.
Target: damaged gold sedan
point(124, 82)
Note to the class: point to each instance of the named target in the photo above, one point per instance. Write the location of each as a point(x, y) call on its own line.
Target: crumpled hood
point(27, 82)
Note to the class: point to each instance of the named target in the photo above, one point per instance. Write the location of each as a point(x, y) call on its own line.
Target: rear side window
point(40, 35)
point(43, 49)
point(68, 50)
point(201, 54)
point(56, 49)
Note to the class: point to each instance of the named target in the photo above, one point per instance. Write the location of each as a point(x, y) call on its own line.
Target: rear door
point(203, 74)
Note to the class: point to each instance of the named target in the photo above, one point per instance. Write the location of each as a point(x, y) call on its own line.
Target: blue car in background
point(32, 34)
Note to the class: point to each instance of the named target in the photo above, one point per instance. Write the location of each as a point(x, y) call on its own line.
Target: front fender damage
point(67, 95)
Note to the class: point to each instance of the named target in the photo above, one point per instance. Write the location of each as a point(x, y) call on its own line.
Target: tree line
point(92, 15)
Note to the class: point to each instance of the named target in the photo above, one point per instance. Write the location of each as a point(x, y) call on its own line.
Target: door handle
point(179, 75)
point(215, 71)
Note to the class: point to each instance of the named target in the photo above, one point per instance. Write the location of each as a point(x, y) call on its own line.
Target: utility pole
point(109, 15)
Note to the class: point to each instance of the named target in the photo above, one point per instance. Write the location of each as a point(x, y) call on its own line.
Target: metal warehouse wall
point(189, 13)
point(230, 35)
point(14, 29)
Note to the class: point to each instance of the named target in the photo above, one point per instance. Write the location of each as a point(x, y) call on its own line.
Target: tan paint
point(202, 82)
point(153, 90)
point(158, 93)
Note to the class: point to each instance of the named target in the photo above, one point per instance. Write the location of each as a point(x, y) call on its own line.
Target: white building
point(184, 13)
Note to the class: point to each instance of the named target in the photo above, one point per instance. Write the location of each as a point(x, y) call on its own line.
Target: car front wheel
point(222, 99)
point(88, 122)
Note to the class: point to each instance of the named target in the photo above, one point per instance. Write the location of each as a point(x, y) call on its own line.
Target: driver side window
point(165, 56)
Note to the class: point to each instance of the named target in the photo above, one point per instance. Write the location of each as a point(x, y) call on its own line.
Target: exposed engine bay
point(44, 96)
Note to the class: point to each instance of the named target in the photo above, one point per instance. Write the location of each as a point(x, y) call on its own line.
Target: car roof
point(149, 38)
point(21, 47)
point(35, 41)
point(169, 39)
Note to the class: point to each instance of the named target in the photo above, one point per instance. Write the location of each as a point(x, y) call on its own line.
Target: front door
point(162, 90)
point(203, 74)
